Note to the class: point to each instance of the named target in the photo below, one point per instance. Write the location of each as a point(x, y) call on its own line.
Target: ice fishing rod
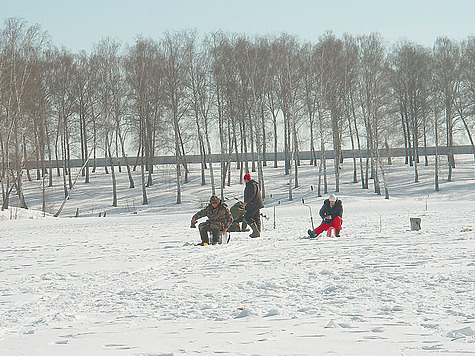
point(311, 215)
point(233, 197)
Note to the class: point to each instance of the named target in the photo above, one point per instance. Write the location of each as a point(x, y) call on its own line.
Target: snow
point(135, 284)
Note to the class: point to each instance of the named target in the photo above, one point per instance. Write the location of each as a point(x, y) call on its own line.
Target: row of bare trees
point(231, 95)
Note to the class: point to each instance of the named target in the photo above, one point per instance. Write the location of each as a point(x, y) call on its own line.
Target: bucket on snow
point(415, 224)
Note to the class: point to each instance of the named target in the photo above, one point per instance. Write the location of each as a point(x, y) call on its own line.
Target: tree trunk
point(142, 173)
point(363, 181)
point(274, 119)
point(264, 138)
point(124, 155)
point(388, 152)
point(185, 164)
point(210, 162)
point(290, 177)
point(86, 168)
point(436, 165)
point(411, 157)
point(25, 159)
point(295, 154)
point(107, 151)
point(63, 151)
point(469, 134)
point(94, 133)
point(325, 179)
point(202, 161)
point(416, 160)
point(426, 158)
point(117, 155)
point(355, 175)
point(178, 169)
point(260, 171)
point(286, 145)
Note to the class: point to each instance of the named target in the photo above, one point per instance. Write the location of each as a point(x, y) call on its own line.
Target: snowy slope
point(133, 284)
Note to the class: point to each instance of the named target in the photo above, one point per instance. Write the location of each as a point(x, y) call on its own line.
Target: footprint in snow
point(332, 324)
point(272, 312)
point(245, 313)
point(459, 333)
point(433, 347)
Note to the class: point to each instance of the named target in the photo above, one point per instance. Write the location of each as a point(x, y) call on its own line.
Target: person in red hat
point(252, 203)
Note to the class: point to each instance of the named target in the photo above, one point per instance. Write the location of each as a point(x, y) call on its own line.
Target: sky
point(79, 24)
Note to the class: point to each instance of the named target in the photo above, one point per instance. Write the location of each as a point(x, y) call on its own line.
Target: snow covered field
point(133, 284)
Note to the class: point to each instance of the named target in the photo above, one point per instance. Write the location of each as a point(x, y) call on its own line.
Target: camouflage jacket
point(237, 212)
point(219, 217)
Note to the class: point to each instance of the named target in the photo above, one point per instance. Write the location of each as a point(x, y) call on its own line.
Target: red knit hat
point(247, 176)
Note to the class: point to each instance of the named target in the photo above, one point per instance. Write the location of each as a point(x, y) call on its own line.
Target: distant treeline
point(304, 156)
point(231, 96)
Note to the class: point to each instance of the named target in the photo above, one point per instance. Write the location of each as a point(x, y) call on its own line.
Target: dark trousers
point(253, 216)
point(204, 227)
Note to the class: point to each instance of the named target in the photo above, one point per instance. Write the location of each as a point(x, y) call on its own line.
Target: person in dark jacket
point(331, 213)
point(252, 203)
point(219, 220)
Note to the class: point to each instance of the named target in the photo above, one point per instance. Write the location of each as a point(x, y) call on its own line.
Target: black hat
point(214, 200)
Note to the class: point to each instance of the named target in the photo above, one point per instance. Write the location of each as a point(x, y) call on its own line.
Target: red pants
point(336, 223)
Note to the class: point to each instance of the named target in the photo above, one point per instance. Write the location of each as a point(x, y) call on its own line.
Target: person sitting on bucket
point(331, 213)
point(219, 220)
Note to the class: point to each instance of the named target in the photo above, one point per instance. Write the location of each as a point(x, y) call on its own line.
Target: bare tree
point(84, 82)
point(351, 70)
point(20, 57)
point(374, 87)
point(142, 67)
point(446, 57)
point(288, 64)
point(464, 98)
point(63, 100)
point(201, 100)
point(334, 94)
point(258, 68)
point(411, 82)
point(174, 73)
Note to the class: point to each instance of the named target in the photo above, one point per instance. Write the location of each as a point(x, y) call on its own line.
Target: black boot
point(255, 230)
point(217, 237)
point(244, 226)
point(337, 233)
